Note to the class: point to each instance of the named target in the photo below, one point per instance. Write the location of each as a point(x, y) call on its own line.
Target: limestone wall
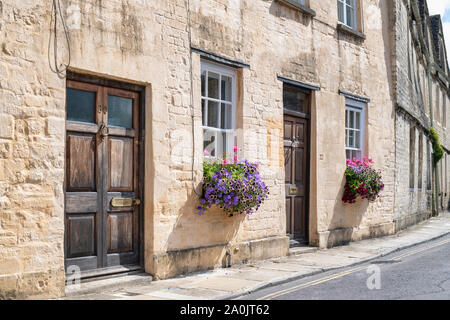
point(414, 90)
point(147, 42)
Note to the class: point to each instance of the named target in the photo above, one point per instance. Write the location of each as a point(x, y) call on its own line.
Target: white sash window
point(218, 86)
point(347, 13)
point(354, 129)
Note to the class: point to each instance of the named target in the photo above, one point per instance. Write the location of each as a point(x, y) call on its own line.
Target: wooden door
point(296, 152)
point(102, 205)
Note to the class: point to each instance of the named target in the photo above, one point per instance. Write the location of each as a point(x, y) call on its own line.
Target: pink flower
point(235, 158)
point(235, 149)
point(225, 161)
point(206, 153)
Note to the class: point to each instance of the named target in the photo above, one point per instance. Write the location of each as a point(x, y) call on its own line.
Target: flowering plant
point(235, 186)
point(362, 179)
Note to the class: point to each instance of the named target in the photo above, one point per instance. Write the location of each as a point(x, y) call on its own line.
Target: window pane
point(80, 105)
point(358, 120)
point(351, 138)
point(120, 112)
point(204, 103)
point(226, 116)
point(225, 145)
point(348, 154)
point(341, 12)
point(350, 17)
point(227, 83)
point(358, 139)
point(346, 138)
point(213, 85)
point(209, 142)
point(213, 114)
point(350, 3)
point(203, 83)
point(351, 119)
point(294, 100)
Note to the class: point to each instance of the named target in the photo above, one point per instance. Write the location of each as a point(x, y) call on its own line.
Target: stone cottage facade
point(101, 161)
point(421, 82)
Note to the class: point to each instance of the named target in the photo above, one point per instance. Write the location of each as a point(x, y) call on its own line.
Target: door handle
point(136, 202)
point(103, 131)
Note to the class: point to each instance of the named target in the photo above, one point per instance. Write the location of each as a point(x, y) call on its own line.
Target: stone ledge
point(343, 236)
point(180, 262)
point(32, 285)
point(410, 220)
point(348, 30)
point(299, 7)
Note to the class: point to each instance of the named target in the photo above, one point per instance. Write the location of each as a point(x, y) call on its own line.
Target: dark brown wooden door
point(102, 205)
point(296, 152)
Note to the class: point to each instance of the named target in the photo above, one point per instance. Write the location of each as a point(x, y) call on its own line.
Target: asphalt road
point(420, 272)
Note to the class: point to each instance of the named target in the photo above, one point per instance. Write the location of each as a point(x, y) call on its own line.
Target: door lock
point(136, 202)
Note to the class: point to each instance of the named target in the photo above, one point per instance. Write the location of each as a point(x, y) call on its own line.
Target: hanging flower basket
point(362, 179)
point(234, 186)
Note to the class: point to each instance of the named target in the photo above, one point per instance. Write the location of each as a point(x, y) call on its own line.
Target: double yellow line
point(342, 274)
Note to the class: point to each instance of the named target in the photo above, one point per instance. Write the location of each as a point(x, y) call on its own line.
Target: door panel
point(122, 234)
point(296, 152)
point(121, 164)
point(120, 231)
point(101, 165)
point(81, 151)
point(81, 235)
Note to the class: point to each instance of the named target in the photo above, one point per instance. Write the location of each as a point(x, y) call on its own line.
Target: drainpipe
point(434, 182)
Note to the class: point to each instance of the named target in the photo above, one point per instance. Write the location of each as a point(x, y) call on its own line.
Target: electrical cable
point(188, 17)
point(59, 70)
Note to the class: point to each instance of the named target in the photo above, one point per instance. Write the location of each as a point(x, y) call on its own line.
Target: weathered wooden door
point(102, 205)
point(296, 151)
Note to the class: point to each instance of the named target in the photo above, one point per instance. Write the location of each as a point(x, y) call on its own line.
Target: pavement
point(238, 281)
point(421, 272)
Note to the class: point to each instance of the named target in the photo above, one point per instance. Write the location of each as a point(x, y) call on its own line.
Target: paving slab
point(225, 284)
point(262, 274)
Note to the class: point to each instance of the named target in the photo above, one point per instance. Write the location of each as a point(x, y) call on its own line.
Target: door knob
point(136, 202)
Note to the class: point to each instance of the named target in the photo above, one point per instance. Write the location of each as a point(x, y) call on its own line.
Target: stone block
point(7, 126)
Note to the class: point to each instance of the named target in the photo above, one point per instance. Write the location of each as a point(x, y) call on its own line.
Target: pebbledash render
point(105, 117)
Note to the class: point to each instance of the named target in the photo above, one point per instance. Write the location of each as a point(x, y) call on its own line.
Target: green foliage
point(362, 179)
point(211, 168)
point(438, 151)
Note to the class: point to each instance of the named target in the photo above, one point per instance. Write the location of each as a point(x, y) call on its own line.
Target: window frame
point(345, 18)
point(222, 70)
point(360, 107)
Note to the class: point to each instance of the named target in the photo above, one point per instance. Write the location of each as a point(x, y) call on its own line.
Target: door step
point(108, 282)
point(297, 247)
point(297, 243)
point(109, 272)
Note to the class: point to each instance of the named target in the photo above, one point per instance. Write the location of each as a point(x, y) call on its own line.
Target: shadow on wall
point(197, 242)
point(346, 217)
